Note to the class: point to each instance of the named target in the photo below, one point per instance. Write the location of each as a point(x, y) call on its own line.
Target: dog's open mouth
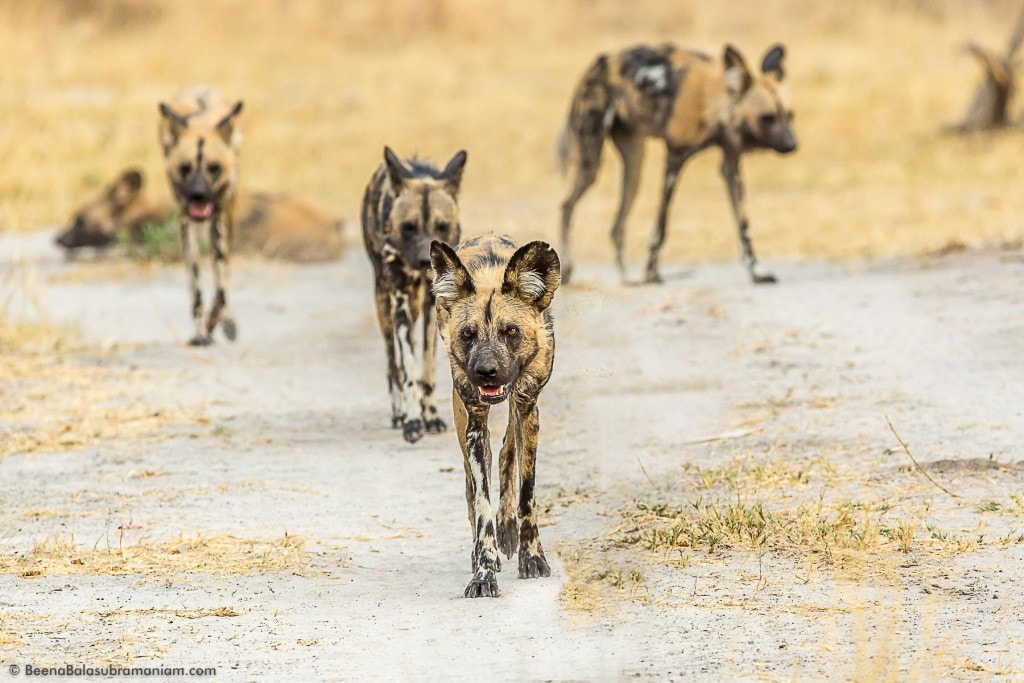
point(493, 394)
point(199, 210)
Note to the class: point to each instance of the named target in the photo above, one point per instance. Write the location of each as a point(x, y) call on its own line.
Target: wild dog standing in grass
point(200, 142)
point(690, 101)
point(405, 207)
point(492, 303)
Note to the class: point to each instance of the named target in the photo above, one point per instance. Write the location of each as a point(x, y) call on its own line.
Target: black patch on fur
point(423, 169)
point(488, 314)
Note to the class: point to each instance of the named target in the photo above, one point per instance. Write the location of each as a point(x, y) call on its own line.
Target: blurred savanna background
point(326, 84)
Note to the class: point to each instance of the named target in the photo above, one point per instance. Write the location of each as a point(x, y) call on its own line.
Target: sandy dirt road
point(286, 431)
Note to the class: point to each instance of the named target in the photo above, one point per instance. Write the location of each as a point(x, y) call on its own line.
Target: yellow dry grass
point(56, 395)
point(811, 512)
point(198, 554)
point(326, 84)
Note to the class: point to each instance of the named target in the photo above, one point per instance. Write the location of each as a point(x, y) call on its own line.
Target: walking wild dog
point(992, 98)
point(492, 304)
point(690, 101)
point(200, 143)
point(405, 207)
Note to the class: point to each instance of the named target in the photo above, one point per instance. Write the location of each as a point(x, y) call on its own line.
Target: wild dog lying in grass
point(492, 304)
point(992, 98)
point(200, 142)
point(405, 207)
point(690, 101)
point(273, 225)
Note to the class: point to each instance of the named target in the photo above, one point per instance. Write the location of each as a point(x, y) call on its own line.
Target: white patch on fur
point(445, 287)
point(656, 75)
point(532, 284)
point(734, 78)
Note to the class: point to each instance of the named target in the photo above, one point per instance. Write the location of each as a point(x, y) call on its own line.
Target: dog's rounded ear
point(737, 76)
point(451, 279)
point(126, 188)
point(397, 172)
point(226, 126)
point(172, 127)
point(533, 274)
point(772, 62)
point(453, 172)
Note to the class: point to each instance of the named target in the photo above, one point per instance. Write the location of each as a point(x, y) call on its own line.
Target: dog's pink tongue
point(491, 391)
point(200, 209)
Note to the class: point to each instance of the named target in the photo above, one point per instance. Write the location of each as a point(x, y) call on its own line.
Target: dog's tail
point(590, 114)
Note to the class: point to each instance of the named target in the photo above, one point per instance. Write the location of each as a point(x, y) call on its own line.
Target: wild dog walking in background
point(492, 303)
point(200, 142)
point(405, 207)
point(690, 101)
point(989, 107)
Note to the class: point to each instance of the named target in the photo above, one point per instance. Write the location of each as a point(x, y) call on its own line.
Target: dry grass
point(803, 511)
point(326, 84)
point(199, 554)
point(56, 395)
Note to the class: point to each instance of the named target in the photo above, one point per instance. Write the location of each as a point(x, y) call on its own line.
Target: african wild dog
point(200, 143)
point(992, 98)
point(492, 304)
point(273, 225)
point(404, 209)
point(690, 101)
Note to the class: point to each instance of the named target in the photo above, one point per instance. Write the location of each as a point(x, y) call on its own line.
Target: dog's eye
point(767, 119)
point(468, 333)
point(443, 227)
point(185, 169)
point(408, 227)
point(512, 330)
point(214, 169)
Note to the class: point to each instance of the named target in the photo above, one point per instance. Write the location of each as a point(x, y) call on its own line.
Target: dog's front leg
point(409, 366)
point(508, 525)
point(219, 311)
point(190, 248)
point(734, 182)
point(532, 563)
point(432, 421)
point(477, 453)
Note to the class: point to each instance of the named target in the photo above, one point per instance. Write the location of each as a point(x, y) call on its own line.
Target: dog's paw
point(653, 277)
point(229, 327)
point(200, 340)
point(396, 421)
point(508, 536)
point(483, 585)
point(412, 430)
point(533, 566)
point(435, 425)
point(763, 278)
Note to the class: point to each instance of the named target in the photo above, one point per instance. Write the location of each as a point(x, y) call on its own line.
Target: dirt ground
point(659, 393)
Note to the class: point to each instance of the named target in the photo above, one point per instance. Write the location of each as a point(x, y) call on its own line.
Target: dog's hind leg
point(431, 420)
point(532, 563)
point(219, 311)
point(630, 145)
point(585, 174)
point(674, 161)
point(508, 525)
point(734, 182)
point(408, 364)
point(190, 247)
